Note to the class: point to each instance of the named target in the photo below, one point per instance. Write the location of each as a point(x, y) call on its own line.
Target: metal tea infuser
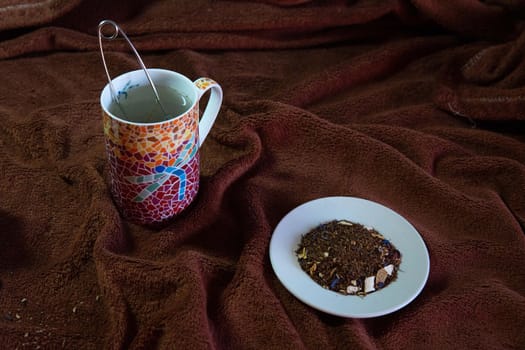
point(116, 31)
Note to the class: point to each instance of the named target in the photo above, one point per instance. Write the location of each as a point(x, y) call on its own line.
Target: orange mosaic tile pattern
point(154, 168)
point(204, 83)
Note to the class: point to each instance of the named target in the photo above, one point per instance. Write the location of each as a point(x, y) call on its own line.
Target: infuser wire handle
point(114, 35)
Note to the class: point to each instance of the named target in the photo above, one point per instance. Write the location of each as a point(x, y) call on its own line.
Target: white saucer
point(413, 271)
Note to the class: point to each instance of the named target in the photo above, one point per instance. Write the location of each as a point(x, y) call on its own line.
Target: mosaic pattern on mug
point(160, 204)
point(153, 153)
point(204, 83)
point(162, 173)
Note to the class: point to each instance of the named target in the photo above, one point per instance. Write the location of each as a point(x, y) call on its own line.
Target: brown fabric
point(18, 14)
point(416, 105)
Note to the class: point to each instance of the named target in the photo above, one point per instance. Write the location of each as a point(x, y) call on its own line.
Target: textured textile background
point(418, 105)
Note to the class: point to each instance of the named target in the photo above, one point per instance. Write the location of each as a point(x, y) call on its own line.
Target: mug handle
point(212, 108)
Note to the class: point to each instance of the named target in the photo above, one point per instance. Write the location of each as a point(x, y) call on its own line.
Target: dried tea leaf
point(346, 257)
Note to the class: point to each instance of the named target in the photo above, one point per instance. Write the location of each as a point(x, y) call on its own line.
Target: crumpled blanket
point(417, 105)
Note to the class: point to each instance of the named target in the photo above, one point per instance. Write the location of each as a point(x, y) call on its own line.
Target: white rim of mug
point(106, 90)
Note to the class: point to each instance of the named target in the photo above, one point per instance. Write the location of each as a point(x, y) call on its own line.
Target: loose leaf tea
point(348, 258)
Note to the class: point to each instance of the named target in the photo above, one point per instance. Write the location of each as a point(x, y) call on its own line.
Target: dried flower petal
point(369, 284)
point(377, 235)
point(352, 289)
point(302, 254)
point(344, 222)
point(381, 276)
point(334, 283)
point(389, 269)
point(313, 268)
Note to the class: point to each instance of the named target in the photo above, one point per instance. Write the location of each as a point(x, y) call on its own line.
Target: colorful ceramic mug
point(154, 165)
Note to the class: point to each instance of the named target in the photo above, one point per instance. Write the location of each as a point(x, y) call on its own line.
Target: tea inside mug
point(139, 105)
